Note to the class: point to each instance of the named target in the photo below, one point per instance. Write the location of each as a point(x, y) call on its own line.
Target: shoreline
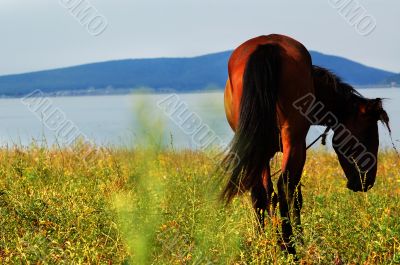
point(145, 91)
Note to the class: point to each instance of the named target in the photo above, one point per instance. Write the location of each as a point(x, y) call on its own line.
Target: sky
point(43, 34)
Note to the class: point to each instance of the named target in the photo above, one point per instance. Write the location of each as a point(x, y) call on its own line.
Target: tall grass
point(155, 206)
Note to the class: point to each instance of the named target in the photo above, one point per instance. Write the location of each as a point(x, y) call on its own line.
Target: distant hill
point(393, 80)
point(352, 72)
point(178, 74)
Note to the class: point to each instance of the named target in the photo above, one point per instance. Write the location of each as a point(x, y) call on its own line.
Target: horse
point(272, 96)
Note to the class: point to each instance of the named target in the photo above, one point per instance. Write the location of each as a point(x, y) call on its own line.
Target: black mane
point(346, 91)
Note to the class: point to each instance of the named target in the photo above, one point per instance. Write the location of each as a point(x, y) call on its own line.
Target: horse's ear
point(375, 109)
point(371, 107)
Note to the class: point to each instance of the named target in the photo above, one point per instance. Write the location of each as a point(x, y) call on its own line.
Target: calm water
point(124, 120)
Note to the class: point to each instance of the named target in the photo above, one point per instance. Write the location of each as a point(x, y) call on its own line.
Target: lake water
point(130, 119)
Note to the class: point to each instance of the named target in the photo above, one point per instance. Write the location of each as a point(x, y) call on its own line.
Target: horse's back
point(295, 80)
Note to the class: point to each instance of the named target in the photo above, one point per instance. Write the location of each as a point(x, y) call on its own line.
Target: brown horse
point(272, 97)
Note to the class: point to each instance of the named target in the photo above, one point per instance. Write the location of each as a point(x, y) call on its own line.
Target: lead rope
point(323, 142)
point(323, 136)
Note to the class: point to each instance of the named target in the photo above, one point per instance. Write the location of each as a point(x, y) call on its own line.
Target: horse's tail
point(257, 133)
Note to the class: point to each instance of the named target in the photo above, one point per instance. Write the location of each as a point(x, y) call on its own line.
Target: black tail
point(257, 134)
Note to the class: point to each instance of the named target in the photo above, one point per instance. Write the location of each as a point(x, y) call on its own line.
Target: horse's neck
point(331, 101)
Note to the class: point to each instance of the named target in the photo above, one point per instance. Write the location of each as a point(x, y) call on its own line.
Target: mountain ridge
point(182, 74)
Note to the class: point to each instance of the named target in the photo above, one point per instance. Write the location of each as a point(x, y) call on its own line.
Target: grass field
point(159, 207)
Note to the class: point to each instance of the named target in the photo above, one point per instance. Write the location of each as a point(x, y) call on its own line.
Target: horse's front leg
point(288, 183)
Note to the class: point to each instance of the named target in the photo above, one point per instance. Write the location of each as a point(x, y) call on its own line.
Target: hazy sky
point(42, 34)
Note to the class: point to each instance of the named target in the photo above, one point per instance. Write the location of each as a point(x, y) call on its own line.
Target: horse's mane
point(344, 90)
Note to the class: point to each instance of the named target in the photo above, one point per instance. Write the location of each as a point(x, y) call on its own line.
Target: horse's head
point(356, 142)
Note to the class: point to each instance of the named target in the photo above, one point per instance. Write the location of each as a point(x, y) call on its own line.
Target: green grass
point(146, 206)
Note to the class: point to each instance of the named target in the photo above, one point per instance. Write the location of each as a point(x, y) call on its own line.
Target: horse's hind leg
point(264, 197)
point(288, 183)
